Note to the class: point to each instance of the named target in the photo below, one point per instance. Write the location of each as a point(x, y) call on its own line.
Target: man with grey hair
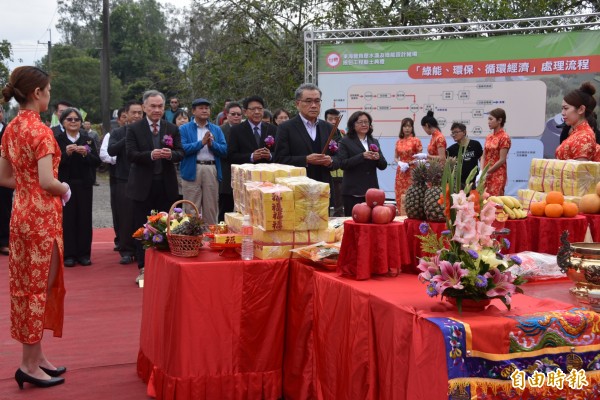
point(300, 140)
point(153, 146)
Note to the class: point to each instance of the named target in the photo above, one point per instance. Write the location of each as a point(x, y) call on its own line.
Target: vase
point(470, 304)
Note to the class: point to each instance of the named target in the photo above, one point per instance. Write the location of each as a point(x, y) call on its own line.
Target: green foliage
point(76, 78)
point(5, 55)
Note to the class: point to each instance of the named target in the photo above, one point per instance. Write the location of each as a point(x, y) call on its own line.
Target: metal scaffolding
point(561, 23)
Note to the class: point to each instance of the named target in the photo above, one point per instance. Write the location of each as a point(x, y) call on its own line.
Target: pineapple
point(433, 211)
point(415, 194)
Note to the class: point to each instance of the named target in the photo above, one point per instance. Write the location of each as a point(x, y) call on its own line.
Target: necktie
point(257, 136)
point(155, 129)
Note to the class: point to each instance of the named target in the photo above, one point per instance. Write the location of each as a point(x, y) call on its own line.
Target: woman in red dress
point(577, 107)
point(437, 146)
point(29, 163)
point(495, 152)
point(406, 147)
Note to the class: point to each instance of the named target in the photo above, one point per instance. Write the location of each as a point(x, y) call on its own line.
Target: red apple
point(381, 215)
point(394, 210)
point(361, 213)
point(375, 197)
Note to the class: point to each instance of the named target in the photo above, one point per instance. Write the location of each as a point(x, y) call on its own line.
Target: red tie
point(155, 129)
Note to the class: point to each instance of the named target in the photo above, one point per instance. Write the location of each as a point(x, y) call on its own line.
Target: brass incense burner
point(581, 262)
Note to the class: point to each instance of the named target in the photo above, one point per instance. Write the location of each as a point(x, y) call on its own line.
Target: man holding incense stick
point(304, 140)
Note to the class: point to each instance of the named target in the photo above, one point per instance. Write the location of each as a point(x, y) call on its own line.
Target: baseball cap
point(200, 101)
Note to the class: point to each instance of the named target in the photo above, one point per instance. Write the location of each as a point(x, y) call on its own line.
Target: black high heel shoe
point(22, 377)
point(54, 372)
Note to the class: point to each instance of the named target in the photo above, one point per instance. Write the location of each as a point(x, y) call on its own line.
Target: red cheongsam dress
point(405, 150)
point(496, 181)
point(581, 143)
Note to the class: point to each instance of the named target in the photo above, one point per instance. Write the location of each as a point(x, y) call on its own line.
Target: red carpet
point(100, 336)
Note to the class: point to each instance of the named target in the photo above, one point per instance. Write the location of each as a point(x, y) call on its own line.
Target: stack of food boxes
point(287, 209)
point(572, 178)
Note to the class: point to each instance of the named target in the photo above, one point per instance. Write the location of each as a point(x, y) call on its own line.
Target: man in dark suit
point(152, 182)
point(248, 141)
point(301, 140)
point(123, 211)
point(233, 112)
point(6, 196)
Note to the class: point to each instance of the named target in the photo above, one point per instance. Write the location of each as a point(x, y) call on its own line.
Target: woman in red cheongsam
point(437, 145)
point(29, 163)
point(577, 106)
point(495, 152)
point(406, 147)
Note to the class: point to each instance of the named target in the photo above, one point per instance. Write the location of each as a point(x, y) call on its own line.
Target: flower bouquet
point(466, 261)
point(153, 234)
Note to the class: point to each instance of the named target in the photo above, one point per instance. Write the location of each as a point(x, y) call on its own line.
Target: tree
point(76, 78)
point(5, 55)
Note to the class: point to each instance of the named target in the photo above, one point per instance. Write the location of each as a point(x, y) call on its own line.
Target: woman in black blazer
point(360, 156)
point(77, 167)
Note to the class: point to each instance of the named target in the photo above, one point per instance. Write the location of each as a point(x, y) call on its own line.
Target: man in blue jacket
point(204, 144)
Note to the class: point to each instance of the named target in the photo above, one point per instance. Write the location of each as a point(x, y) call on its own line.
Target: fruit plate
point(228, 250)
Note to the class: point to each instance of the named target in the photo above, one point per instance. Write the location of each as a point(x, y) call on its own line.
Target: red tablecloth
point(372, 249)
point(212, 328)
point(348, 339)
point(519, 236)
point(545, 232)
point(594, 223)
point(412, 231)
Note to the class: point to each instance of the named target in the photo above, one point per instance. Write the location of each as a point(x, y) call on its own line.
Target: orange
point(553, 210)
point(537, 208)
point(570, 209)
point(555, 198)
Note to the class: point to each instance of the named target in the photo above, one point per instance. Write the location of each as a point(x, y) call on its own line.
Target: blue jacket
point(191, 147)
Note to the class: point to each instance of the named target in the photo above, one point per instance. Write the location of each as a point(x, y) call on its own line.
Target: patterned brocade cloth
point(581, 143)
point(549, 355)
point(35, 226)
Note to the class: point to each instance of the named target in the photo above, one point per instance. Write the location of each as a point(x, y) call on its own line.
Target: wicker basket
point(183, 245)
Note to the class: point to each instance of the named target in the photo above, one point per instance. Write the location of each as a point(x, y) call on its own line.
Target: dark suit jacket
point(117, 147)
point(139, 147)
point(294, 144)
point(360, 174)
point(225, 183)
point(242, 143)
point(76, 168)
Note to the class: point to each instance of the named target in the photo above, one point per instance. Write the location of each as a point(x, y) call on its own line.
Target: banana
point(510, 212)
point(518, 203)
point(509, 201)
point(496, 200)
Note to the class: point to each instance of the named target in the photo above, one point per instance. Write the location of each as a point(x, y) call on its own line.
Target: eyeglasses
point(311, 101)
point(362, 123)
point(71, 119)
point(234, 114)
point(255, 109)
point(455, 132)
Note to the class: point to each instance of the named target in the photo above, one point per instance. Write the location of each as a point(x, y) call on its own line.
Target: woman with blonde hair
point(29, 163)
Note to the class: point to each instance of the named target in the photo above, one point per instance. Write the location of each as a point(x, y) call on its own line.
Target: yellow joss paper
point(269, 252)
point(293, 237)
point(572, 178)
point(228, 238)
point(234, 221)
point(311, 202)
point(272, 207)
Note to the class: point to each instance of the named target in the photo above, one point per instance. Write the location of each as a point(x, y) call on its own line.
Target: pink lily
point(502, 283)
point(450, 276)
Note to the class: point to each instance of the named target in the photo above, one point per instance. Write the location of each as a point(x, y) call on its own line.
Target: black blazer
point(139, 146)
point(360, 174)
point(77, 169)
point(225, 182)
point(242, 143)
point(117, 147)
point(294, 144)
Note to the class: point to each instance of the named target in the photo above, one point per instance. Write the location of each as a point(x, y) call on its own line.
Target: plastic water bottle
point(247, 241)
